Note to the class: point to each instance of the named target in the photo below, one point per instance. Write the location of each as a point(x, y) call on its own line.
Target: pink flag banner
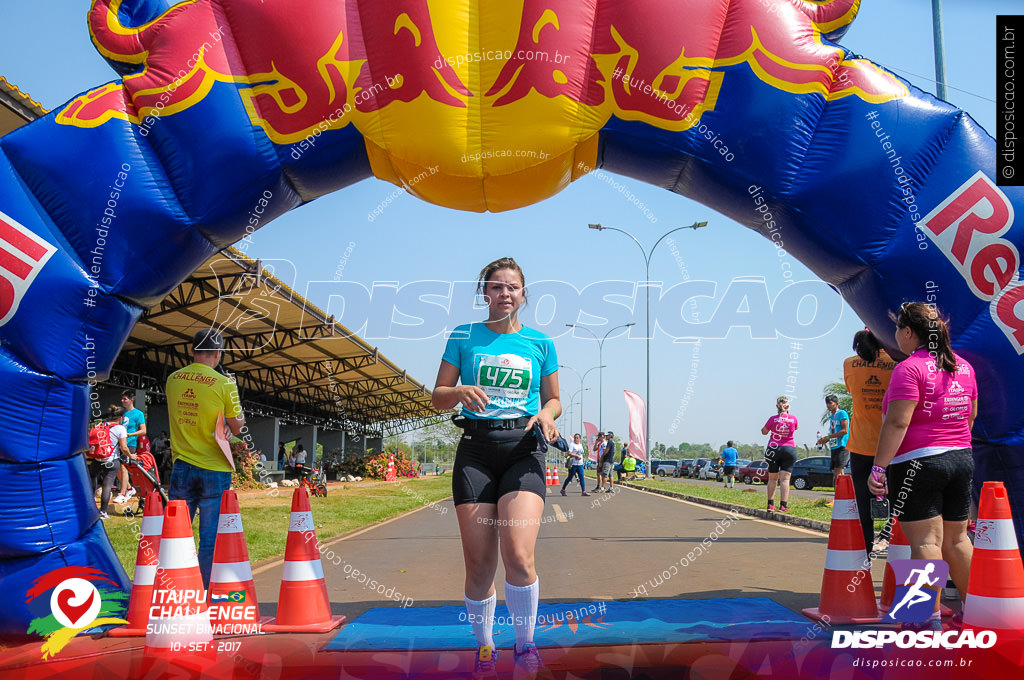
point(637, 425)
point(591, 431)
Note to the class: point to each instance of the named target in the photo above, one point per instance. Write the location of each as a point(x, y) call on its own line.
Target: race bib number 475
point(505, 375)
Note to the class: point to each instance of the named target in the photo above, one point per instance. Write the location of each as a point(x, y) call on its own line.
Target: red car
point(753, 473)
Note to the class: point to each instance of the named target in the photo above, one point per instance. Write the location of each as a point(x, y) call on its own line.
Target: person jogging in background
point(729, 457)
point(867, 377)
point(838, 435)
point(576, 469)
point(509, 376)
point(781, 453)
point(199, 401)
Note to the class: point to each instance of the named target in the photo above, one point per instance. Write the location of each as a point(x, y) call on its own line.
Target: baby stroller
point(145, 477)
point(315, 481)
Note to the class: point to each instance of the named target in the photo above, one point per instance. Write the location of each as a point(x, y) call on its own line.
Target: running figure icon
point(916, 595)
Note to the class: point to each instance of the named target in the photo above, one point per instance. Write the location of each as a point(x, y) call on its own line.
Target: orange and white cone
point(145, 569)
point(233, 606)
point(553, 477)
point(847, 591)
point(303, 605)
point(995, 591)
point(178, 615)
point(899, 549)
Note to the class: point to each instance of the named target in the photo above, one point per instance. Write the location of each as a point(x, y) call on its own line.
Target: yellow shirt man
point(198, 397)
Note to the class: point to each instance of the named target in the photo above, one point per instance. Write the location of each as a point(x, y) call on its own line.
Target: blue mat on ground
point(583, 623)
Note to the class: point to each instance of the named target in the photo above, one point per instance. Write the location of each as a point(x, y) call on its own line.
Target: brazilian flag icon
point(237, 596)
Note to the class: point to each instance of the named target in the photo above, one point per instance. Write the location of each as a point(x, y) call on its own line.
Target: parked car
point(697, 465)
point(740, 462)
point(663, 468)
point(814, 471)
point(709, 470)
point(753, 473)
point(685, 466)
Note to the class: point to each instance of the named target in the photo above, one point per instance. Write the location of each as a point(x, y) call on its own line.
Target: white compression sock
point(481, 617)
point(522, 606)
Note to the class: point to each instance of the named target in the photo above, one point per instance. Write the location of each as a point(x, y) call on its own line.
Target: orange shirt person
point(867, 377)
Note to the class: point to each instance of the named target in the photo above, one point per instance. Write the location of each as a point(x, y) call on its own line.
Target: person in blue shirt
point(509, 383)
point(838, 435)
point(135, 422)
point(729, 456)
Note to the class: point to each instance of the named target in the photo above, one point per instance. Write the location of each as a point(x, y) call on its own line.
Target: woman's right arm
point(448, 393)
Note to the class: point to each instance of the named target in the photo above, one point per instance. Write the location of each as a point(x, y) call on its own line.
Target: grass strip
point(265, 517)
point(753, 497)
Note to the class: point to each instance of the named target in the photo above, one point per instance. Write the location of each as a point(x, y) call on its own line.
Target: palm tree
point(845, 399)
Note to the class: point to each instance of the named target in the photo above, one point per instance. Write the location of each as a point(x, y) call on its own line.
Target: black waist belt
point(491, 423)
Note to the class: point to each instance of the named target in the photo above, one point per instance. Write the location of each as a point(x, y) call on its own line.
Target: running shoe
point(830, 504)
point(104, 515)
point(584, 494)
point(957, 622)
point(131, 492)
point(528, 664)
point(783, 508)
point(563, 492)
point(120, 498)
point(771, 506)
point(486, 666)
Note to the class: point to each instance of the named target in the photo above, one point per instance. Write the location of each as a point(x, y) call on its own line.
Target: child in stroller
point(145, 477)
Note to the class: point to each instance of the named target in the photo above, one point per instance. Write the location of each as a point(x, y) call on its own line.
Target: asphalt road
point(812, 494)
point(602, 547)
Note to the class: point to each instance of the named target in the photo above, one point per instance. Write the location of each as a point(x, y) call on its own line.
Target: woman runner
point(781, 453)
point(509, 376)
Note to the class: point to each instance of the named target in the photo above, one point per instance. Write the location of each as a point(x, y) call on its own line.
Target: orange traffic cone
point(552, 479)
point(178, 615)
point(233, 606)
point(899, 549)
point(145, 569)
point(847, 592)
point(303, 605)
point(995, 591)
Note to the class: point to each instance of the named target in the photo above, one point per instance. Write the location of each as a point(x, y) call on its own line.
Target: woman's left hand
point(879, 487)
point(547, 424)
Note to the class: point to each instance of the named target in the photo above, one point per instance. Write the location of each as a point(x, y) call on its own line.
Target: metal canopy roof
point(290, 359)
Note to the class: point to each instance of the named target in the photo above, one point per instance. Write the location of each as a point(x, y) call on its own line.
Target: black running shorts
point(931, 486)
point(840, 458)
point(780, 458)
point(492, 463)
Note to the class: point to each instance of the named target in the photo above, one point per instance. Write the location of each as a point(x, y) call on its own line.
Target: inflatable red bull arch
point(228, 113)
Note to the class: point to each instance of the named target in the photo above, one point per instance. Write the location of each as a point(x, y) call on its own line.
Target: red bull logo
point(303, 70)
point(22, 256)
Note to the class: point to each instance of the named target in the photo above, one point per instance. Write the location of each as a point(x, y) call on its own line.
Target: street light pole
point(600, 373)
point(582, 378)
point(647, 310)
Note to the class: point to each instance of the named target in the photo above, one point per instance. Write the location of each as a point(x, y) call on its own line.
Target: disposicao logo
point(69, 600)
point(914, 602)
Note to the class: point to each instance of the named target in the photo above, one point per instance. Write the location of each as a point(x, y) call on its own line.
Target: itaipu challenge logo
point(66, 601)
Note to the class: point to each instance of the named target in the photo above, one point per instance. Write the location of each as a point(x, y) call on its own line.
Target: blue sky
point(736, 379)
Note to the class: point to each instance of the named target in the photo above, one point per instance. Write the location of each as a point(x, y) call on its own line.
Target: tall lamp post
point(582, 378)
point(600, 373)
point(647, 312)
point(572, 400)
